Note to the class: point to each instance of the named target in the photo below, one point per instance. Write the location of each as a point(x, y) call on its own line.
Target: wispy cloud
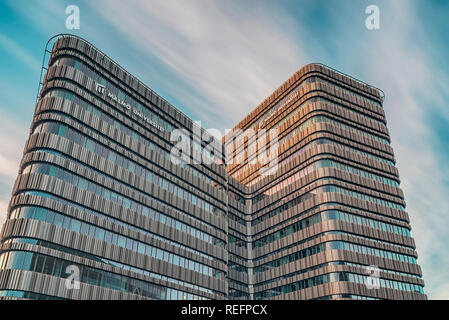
point(15, 50)
point(221, 58)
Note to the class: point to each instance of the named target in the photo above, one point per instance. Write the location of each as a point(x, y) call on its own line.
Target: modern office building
point(104, 209)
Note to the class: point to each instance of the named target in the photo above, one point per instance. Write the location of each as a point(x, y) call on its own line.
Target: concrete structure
point(100, 199)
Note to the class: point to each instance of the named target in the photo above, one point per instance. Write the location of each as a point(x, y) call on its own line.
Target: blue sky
point(216, 60)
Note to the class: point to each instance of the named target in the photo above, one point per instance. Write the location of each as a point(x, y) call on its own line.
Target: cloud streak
point(12, 139)
point(230, 57)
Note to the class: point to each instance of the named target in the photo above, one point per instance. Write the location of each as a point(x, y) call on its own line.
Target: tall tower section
point(331, 216)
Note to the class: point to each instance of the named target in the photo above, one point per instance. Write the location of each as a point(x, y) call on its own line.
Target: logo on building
point(99, 88)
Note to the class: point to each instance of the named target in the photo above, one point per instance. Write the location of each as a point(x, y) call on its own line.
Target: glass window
point(99, 233)
point(40, 214)
point(28, 212)
point(39, 263)
point(48, 266)
point(57, 268)
point(75, 225)
point(129, 243)
point(141, 248)
point(58, 220)
point(108, 236)
point(50, 216)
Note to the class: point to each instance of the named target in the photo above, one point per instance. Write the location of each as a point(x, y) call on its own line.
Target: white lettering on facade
point(280, 108)
point(128, 107)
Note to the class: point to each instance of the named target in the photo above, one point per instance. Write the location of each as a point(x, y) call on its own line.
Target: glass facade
point(98, 193)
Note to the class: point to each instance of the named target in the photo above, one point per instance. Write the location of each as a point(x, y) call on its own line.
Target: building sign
point(282, 104)
point(101, 89)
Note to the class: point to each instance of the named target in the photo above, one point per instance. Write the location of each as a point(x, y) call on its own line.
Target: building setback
point(100, 200)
